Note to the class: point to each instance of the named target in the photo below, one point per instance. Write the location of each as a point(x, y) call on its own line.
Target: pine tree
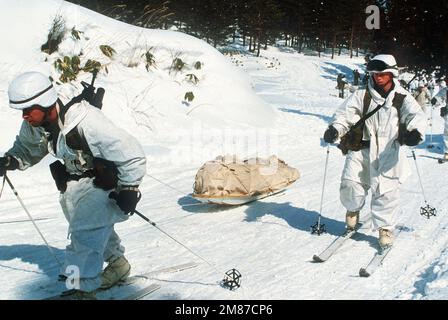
point(414, 33)
point(412, 30)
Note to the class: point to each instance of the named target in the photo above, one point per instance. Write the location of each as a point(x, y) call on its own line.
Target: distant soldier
point(356, 77)
point(422, 95)
point(341, 84)
point(413, 85)
point(365, 79)
point(431, 85)
point(441, 99)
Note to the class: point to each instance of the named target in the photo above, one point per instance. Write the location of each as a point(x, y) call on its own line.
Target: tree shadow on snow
point(336, 69)
point(284, 49)
point(298, 218)
point(303, 113)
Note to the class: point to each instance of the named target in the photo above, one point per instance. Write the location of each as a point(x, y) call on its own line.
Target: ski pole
point(318, 227)
point(231, 277)
point(33, 221)
point(177, 241)
point(431, 126)
point(430, 146)
point(427, 211)
point(3, 185)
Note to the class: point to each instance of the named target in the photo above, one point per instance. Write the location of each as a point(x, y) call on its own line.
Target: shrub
point(189, 96)
point(108, 51)
point(198, 65)
point(192, 78)
point(76, 34)
point(177, 64)
point(91, 66)
point(69, 68)
point(149, 58)
point(55, 35)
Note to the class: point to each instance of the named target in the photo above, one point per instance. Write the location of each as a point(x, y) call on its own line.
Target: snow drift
point(148, 100)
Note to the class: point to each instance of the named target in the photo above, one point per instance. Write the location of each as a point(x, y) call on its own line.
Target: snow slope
point(268, 241)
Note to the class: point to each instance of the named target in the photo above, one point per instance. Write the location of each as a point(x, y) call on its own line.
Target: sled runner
point(235, 201)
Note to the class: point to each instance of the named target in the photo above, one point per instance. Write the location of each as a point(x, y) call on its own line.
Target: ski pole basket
point(232, 280)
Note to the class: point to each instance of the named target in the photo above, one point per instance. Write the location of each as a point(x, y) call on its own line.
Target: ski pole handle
point(113, 195)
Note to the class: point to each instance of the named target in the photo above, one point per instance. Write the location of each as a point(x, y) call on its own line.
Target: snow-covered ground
point(279, 103)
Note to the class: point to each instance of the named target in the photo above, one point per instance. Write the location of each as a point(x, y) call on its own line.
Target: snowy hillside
point(150, 101)
point(279, 103)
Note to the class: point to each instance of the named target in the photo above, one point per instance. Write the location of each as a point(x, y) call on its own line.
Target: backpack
point(73, 139)
point(104, 172)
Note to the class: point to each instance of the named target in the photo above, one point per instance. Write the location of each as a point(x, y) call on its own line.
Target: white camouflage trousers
point(384, 207)
point(87, 252)
point(445, 135)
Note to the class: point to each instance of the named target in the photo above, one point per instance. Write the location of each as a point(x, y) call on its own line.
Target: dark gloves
point(331, 134)
point(8, 163)
point(127, 199)
point(412, 138)
point(433, 101)
point(443, 111)
point(4, 161)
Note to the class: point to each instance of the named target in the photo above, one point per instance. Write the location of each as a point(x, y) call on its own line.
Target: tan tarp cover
point(230, 177)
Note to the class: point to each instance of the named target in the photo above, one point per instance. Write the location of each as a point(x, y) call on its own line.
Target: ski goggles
point(378, 66)
point(34, 107)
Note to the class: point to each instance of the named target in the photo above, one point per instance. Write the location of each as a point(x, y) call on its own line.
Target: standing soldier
point(341, 85)
point(356, 77)
point(422, 95)
point(374, 161)
point(441, 99)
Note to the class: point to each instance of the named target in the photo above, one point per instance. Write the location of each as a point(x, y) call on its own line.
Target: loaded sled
point(230, 181)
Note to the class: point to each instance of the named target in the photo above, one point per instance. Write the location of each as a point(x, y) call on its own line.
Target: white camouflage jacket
point(105, 141)
point(382, 165)
point(84, 205)
point(441, 96)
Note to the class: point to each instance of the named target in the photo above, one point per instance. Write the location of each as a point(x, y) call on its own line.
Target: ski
point(146, 276)
point(442, 160)
point(379, 256)
point(375, 262)
point(116, 293)
point(134, 294)
point(151, 274)
point(334, 246)
point(143, 292)
point(113, 292)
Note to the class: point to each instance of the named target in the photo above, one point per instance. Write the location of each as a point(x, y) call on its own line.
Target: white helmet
point(383, 63)
point(29, 89)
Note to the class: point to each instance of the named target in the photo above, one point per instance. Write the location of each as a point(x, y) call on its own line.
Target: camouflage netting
point(230, 177)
